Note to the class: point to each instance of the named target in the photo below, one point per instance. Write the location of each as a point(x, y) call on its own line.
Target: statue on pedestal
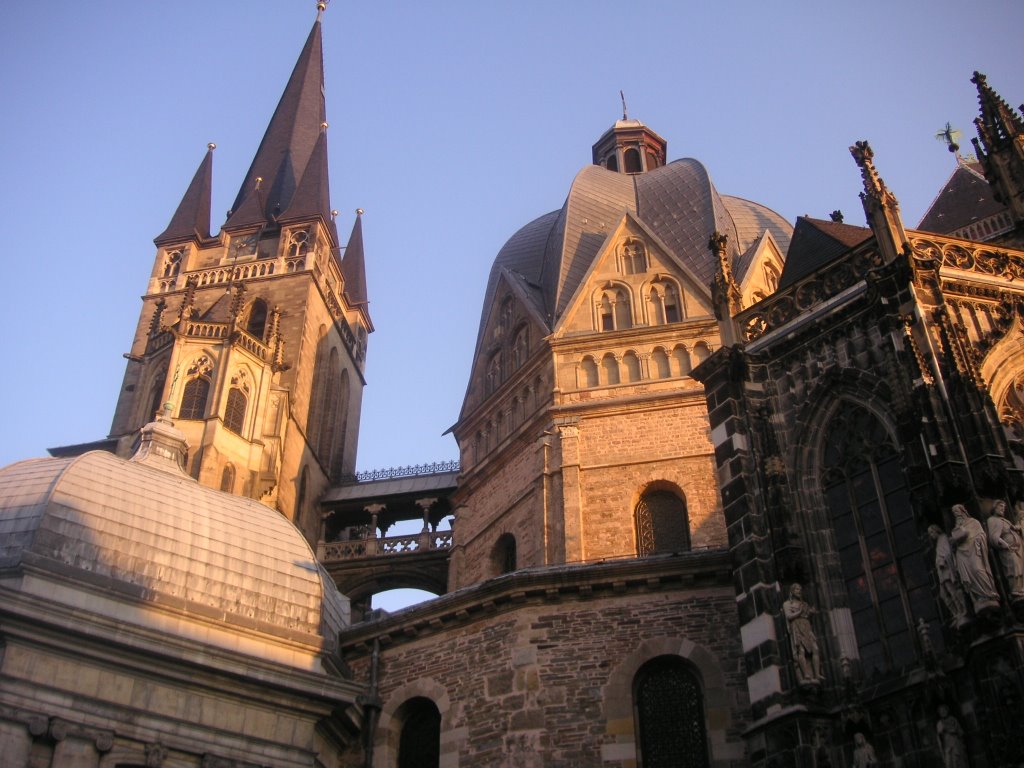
point(804, 644)
point(1008, 543)
point(951, 740)
point(945, 570)
point(972, 560)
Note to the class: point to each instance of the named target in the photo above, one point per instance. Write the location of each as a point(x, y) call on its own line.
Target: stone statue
point(972, 560)
point(945, 570)
point(951, 740)
point(802, 640)
point(1008, 543)
point(863, 752)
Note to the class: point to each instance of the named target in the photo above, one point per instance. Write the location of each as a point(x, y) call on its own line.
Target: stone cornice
point(549, 585)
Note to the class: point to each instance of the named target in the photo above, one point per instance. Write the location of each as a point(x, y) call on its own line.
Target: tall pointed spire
point(353, 267)
point(192, 219)
point(312, 196)
point(289, 142)
point(1000, 148)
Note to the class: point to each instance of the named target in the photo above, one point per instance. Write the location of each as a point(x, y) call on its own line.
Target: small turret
point(192, 218)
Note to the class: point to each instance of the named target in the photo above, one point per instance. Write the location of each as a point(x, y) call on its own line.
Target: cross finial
point(625, 115)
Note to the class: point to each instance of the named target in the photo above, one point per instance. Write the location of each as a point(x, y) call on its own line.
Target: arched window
point(660, 361)
point(494, 372)
point(657, 307)
point(613, 163)
point(669, 705)
point(234, 412)
point(314, 416)
point(329, 415)
point(880, 552)
point(156, 397)
point(589, 371)
point(682, 358)
point(652, 160)
point(504, 555)
point(300, 496)
point(172, 263)
point(633, 257)
point(256, 325)
point(701, 352)
point(631, 160)
point(419, 744)
point(193, 398)
point(520, 346)
point(623, 317)
point(606, 314)
point(227, 478)
point(662, 524)
point(611, 369)
point(673, 314)
point(632, 365)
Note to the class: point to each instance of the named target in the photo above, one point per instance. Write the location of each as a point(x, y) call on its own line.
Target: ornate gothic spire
point(286, 153)
point(192, 219)
point(880, 205)
point(1000, 148)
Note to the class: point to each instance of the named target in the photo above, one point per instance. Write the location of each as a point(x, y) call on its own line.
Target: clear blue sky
point(453, 124)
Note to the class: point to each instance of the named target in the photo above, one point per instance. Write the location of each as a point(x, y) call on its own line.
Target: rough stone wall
point(549, 684)
point(624, 452)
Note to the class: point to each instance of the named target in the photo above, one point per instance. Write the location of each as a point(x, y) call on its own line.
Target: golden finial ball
point(211, 145)
point(324, 126)
point(359, 211)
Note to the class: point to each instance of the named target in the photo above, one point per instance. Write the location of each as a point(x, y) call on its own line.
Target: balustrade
point(387, 546)
point(206, 330)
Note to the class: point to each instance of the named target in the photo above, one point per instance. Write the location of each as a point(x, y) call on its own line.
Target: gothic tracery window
point(172, 262)
point(193, 398)
point(662, 523)
point(880, 552)
point(669, 705)
point(234, 412)
point(256, 323)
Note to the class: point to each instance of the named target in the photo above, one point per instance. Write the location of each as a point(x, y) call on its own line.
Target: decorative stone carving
point(803, 642)
point(1007, 541)
point(155, 755)
point(863, 752)
point(968, 537)
point(945, 570)
point(951, 740)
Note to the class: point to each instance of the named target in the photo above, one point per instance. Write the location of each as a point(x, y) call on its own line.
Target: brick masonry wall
point(549, 683)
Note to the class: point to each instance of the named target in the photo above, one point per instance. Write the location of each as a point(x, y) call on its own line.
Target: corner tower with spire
point(254, 339)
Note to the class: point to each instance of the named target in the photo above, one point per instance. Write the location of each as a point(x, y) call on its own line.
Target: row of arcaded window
point(661, 363)
point(614, 311)
point(513, 350)
point(508, 418)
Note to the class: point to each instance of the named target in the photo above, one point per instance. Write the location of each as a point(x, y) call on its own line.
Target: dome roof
point(148, 534)
point(677, 202)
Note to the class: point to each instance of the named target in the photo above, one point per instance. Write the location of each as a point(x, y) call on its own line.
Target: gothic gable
point(634, 281)
point(511, 332)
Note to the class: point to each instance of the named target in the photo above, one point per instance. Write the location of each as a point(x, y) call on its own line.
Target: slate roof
point(192, 218)
point(353, 266)
point(966, 197)
point(815, 243)
point(677, 202)
point(288, 145)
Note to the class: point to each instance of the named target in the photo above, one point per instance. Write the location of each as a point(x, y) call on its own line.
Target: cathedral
point(731, 491)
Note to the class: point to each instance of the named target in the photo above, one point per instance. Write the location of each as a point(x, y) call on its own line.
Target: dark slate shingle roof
point(815, 243)
point(966, 197)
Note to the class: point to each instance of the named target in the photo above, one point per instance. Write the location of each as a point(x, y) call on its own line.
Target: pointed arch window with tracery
point(881, 560)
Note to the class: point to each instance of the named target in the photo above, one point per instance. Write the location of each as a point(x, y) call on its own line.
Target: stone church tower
point(254, 339)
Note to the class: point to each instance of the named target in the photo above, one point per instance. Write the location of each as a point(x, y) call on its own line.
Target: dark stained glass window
point(880, 551)
point(662, 524)
point(193, 399)
point(670, 715)
point(419, 745)
point(234, 412)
